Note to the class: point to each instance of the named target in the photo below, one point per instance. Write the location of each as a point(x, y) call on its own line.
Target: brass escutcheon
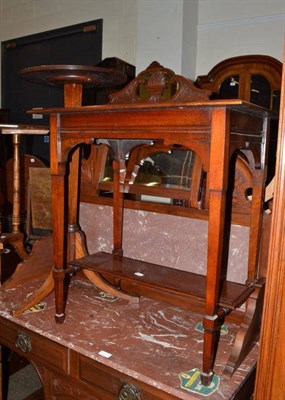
point(23, 342)
point(129, 392)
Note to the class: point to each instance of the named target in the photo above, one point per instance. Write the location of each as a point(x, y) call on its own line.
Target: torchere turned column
point(16, 237)
point(73, 78)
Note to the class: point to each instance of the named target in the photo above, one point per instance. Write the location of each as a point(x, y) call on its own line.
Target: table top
point(151, 341)
point(20, 129)
point(86, 75)
point(233, 104)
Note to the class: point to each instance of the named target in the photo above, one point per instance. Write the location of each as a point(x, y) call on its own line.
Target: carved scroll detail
point(243, 182)
point(158, 84)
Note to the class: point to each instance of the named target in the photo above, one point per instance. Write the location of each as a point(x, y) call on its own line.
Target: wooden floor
point(15, 364)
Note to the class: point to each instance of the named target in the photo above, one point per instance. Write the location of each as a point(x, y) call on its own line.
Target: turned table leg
point(73, 98)
point(119, 168)
point(58, 203)
point(16, 237)
point(219, 161)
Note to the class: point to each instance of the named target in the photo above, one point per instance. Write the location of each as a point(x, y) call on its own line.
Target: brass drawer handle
point(23, 342)
point(129, 392)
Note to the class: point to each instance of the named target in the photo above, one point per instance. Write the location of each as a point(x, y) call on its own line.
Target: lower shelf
point(148, 277)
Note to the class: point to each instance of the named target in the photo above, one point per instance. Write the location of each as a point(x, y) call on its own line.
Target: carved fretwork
point(243, 182)
point(158, 84)
point(88, 167)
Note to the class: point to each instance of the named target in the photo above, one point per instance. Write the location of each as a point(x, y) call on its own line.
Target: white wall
point(25, 17)
point(159, 33)
point(189, 36)
point(189, 45)
point(229, 28)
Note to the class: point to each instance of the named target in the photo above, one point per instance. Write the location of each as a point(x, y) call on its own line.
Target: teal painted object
point(191, 381)
point(224, 328)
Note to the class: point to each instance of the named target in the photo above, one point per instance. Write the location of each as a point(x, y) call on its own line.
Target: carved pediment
point(158, 84)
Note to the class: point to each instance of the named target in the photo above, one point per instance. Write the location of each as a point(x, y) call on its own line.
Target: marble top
point(150, 341)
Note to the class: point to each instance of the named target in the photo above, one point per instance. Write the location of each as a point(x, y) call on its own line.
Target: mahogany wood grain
point(243, 66)
point(215, 130)
point(241, 71)
point(72, 78)
point(162, 278)
point(169, 209)
point(26, 161)
point(83, 124)
point(16, 237)
point(270, 368)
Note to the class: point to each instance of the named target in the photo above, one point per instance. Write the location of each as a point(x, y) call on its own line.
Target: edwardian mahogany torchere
point(16, 237)
point(215, 131)
point(73, 78)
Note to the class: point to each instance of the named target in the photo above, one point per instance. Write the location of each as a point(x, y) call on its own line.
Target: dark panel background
point(76, 44)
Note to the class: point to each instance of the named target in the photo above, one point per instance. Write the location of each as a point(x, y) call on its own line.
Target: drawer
point(115, 384)
point(33, 346)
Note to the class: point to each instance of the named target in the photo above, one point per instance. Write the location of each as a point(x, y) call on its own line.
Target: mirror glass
point(276, 100)
point(158, 174)
point(171, 169)
point(229, 89)
point(260, 91)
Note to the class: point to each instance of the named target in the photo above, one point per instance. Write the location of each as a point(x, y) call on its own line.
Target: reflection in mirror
point(229, 89)
point(260, 91)
point(276, 100)
point(172, 169)
point(108, 170)
point(171, 176)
